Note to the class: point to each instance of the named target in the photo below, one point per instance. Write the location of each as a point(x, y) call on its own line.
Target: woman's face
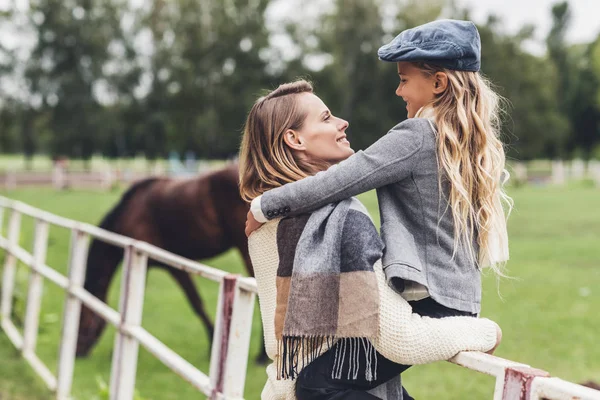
point(322, 136)
point(415, 88)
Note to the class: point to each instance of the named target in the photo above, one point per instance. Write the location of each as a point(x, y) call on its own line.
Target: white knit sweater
point(404, 337)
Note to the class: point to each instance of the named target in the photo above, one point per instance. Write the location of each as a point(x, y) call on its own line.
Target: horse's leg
point(102, 263)
point(191, 292)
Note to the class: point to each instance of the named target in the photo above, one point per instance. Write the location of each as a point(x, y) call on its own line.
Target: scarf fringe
point(296, 352)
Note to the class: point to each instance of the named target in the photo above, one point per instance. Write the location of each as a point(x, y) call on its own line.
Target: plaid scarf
point(327, 290)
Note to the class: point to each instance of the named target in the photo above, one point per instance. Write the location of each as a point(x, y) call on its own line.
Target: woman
point(321, 286)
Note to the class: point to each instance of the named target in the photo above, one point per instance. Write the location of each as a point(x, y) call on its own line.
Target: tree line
point(120, 79)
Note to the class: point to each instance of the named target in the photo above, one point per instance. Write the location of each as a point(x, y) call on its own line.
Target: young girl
point(332, 326)
point(438, 174)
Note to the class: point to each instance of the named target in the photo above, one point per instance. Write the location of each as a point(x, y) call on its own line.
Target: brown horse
point(195, 218)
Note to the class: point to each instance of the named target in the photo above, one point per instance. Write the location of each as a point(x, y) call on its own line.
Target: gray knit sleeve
point(391, 159)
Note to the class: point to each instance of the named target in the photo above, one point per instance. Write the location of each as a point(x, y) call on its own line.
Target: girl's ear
point(440, 82)
point(293, 140)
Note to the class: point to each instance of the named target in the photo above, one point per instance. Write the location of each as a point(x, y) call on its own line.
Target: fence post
point(10, 265)
point(131, 302)
point(518, 380)
point(240, 329)
point(10, 182)
point(231, 340)
point(520, 169)
point(577, 169)
point(36, 282)
point(558, 172)
point(58, 176)
point(108, 179)
point(218, 353)
point(72, 310)
point(594, 171)
point(1, 219)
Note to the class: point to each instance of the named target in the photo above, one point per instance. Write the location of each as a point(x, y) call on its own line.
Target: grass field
point(549, 312)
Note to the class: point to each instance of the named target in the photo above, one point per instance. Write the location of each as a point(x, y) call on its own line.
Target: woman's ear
point(293, 140)
point(440, 82)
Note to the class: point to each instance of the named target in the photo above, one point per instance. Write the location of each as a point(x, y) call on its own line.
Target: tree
point(584, 108)
point(533, 125)
point(68, 60)
point(356, 85)
point(558, 54)
point(205, 71)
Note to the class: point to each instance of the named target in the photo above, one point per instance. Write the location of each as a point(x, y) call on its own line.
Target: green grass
point(547, 312)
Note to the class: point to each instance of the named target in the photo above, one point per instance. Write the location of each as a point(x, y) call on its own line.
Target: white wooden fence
point(557, 172)
point(231, 339)
point(229, 356)
point(62, 178)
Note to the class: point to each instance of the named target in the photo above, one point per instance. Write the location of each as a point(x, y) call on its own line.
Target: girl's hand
point(498, 340)
point(251, 224)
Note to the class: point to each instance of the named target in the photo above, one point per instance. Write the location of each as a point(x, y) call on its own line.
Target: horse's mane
point(109, 221)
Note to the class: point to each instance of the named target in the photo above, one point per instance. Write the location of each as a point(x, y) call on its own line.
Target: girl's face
point(322, 137)
point(416, 88)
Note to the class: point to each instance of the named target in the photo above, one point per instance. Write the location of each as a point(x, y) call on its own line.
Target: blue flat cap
point(450, 43)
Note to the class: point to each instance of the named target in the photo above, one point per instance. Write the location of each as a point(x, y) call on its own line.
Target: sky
point(514, 13)
point(585, 25)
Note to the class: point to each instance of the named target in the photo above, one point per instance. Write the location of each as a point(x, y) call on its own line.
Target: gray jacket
point(416, 225)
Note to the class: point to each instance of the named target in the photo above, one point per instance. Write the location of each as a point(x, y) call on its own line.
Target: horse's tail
point(102, 262)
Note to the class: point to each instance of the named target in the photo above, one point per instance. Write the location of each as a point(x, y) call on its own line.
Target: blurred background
point(125, 78)
point(95, 94)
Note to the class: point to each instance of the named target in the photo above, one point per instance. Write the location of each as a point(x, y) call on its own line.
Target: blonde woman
point(438, 174)
point(332, 326)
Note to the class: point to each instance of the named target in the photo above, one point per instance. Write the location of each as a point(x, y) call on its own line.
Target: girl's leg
point(431, 308)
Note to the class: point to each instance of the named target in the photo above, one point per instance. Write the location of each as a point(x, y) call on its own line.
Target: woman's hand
point(498, 340)
point(251, 224)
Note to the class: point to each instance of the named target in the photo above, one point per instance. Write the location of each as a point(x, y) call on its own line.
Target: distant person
point(191, 165)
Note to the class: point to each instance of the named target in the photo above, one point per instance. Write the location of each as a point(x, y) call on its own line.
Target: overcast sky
point(584, 28)
point(585, 25)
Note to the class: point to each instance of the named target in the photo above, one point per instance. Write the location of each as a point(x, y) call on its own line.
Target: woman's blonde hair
point(469, 149)
point(266, 162)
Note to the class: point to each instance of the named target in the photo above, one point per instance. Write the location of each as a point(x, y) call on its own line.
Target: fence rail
point(62, 178)
point(229, 354)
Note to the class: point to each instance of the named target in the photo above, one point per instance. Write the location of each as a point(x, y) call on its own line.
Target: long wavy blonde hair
point(266, 162)
point(470, 152)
